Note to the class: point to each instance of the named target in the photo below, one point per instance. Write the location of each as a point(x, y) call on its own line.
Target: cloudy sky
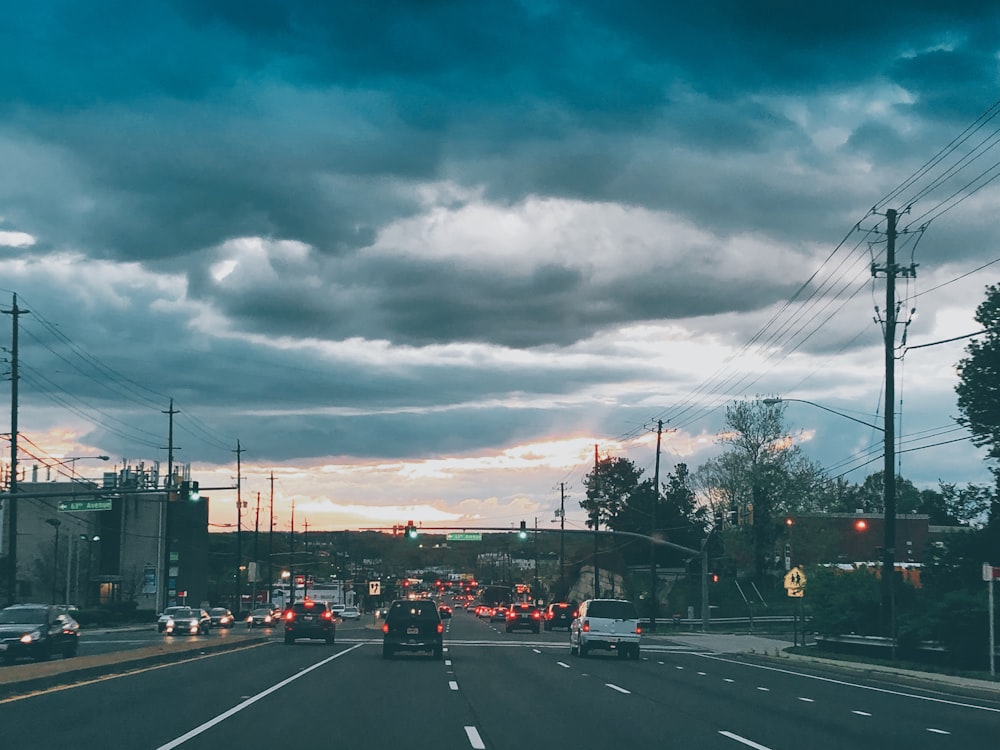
point(418, 258)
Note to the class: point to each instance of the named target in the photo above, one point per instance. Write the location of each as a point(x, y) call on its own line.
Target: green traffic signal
point(523, 532)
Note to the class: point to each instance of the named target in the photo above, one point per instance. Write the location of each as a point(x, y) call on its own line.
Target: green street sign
point(78, 505)
point(465, 537)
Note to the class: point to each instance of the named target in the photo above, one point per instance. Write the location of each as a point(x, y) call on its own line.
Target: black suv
point(412, 626)
point(559, 615)
point(309, 619)
point(524, 615)
point(37, 631)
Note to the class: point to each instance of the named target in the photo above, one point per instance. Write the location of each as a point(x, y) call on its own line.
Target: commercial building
point(119, 539)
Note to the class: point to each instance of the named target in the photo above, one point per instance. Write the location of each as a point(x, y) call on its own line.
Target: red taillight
point(511, 615)
point(586, 626)
point(289, 615)
point(328, 615)
point(638, 630)
point(385, 627)
point(536, 615)
point(575, 614)
point(440, 627)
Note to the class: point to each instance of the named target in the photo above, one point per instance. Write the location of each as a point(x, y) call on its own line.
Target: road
point(492, 690)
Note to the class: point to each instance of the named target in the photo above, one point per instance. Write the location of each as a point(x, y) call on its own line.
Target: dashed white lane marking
point(764, 689)
point(619, 689)
point(937, 731)
point(447, 662)
point(702, 674)
point(807, 700)
point(728, 679)
point(536, 650)
point(660, 662)
point(474, 739)
point(744, 741)
point(563, 664)
point(861, 713)
point(452, 684)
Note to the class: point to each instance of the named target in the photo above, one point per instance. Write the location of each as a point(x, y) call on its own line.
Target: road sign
point(795, 582)
point(78, 505)
point(991, 572)
point(465, 537)
point(374, 588)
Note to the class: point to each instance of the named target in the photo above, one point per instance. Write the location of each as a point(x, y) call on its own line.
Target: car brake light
point(328, 615)
point(289, 615)
point(638, 630)
point(536, 615)
point(586, 626)
point(440, 627)
point(385, 627)
point(511, 615)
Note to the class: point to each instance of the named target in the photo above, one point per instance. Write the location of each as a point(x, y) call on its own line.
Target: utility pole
point(597, 521)
point(652, 544)
point(14, 313)
point(291, 559)
point(256, 555)
point(166, 513)
point(891, 271)
point(562, 540)
point(239, 528)
point(270, 542)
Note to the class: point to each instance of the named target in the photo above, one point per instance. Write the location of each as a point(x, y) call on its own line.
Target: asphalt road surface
point(492, 690)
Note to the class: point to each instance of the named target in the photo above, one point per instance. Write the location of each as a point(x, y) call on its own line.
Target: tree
point(615, 494)
point(978, 386)
point(759, 478)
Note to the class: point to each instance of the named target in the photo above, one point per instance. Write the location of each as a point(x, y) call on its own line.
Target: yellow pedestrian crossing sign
point(795, 582)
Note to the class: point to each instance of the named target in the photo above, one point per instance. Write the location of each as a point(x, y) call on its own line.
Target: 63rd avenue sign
point(78, 505)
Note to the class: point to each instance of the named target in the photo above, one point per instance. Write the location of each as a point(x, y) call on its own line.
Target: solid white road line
point(744, 741)
point(250, 701)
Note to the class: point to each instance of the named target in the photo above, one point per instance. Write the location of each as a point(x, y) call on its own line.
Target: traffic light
point(411, 530)
point(523, 531)
point(861, 525)
point(713, 577)
point(189, 492)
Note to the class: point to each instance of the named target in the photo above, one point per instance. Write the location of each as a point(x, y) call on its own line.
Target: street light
point(773, 401)
point(55, 523)
point(71, 460)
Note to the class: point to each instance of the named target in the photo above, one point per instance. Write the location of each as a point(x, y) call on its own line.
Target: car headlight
point(31, 637)
point(169, 623)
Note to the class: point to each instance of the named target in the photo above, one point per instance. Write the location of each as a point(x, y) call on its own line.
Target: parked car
point(607, 624)
point(309, 619)
point(559, 615)
point(221, 617)
point(188, 621)
point(522, 615)
point(412, 625)
point(37, 631)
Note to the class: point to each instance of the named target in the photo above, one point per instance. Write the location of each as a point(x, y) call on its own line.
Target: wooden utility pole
point(239, 529)
point(270, 542)
point(597, 521)
point(652, 534)
point(14, 313)
point(891, 271)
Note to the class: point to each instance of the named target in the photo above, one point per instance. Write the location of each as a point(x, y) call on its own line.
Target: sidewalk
point(722, 643)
